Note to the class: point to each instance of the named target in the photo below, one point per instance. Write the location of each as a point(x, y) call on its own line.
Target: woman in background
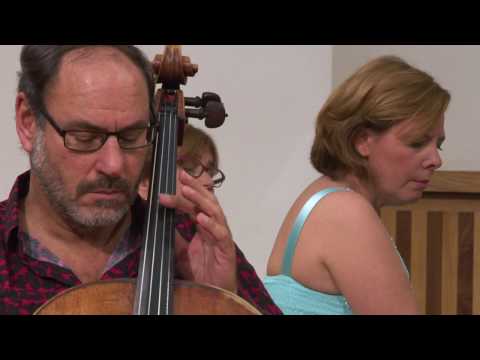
point(377, 143)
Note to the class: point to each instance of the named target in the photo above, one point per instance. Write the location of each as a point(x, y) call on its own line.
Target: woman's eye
point(417, 145)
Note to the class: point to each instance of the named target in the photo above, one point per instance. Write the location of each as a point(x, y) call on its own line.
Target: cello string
point(169, 253)
point(164, 306)
point(160, 291)
point(141, 295)
point(163, 249)
point(155, 280)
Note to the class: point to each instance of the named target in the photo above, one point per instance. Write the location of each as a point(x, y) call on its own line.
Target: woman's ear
point(25, 122)
point(363, 142)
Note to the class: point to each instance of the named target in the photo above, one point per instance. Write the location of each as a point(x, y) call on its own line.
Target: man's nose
point(111, 158)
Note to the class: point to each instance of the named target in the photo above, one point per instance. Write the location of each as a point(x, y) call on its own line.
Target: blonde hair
point(380, 94)
point(195, 143)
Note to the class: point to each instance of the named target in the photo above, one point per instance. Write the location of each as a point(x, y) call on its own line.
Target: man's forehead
point(100, 62)
point(96, 69)
point(92, 53)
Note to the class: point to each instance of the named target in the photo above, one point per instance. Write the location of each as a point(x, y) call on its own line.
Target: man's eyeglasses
point(91, 141)
point(195, 168)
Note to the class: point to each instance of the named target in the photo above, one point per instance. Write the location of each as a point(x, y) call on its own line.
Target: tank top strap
point(298, 226)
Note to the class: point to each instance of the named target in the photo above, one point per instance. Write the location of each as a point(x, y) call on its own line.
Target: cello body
point(116, 297)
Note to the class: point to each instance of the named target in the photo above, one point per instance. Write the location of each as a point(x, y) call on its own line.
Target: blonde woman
point(377, 143)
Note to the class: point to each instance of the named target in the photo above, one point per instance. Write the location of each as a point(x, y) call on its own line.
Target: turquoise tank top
point(292, 297)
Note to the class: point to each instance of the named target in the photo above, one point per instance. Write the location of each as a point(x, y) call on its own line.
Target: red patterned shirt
point(30, 274)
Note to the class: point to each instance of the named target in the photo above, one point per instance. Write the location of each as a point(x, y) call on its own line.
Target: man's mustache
point(104, 183)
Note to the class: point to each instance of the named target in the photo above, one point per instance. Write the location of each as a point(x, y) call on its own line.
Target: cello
point(155, 291)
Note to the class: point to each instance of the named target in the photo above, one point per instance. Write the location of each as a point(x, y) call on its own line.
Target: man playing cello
point(82, 116)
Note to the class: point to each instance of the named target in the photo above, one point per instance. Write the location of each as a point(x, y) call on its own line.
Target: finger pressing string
point(176, 202)
point(167, 200)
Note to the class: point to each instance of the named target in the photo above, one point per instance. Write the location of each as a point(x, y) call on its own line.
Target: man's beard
point(85, 219)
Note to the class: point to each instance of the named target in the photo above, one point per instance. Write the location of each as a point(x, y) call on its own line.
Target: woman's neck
point(362, 187)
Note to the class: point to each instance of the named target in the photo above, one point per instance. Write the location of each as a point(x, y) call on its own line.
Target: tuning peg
point(202, 101)
point(214, 114)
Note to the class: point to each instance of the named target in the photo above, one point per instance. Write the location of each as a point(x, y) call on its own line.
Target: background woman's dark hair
point(196, 142)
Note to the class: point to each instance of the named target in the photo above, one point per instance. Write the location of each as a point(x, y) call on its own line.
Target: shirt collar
point(12, 209)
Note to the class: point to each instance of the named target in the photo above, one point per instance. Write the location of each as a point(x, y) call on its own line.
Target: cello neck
point(154, 294)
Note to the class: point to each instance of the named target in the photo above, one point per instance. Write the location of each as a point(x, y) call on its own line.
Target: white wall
point(12, 159)
point(456, 68)
point(272, 95)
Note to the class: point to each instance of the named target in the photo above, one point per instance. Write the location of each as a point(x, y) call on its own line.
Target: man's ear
point(363, 142)
point(25, 122)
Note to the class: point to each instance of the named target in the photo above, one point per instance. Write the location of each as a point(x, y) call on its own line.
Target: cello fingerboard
point(154, 293)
